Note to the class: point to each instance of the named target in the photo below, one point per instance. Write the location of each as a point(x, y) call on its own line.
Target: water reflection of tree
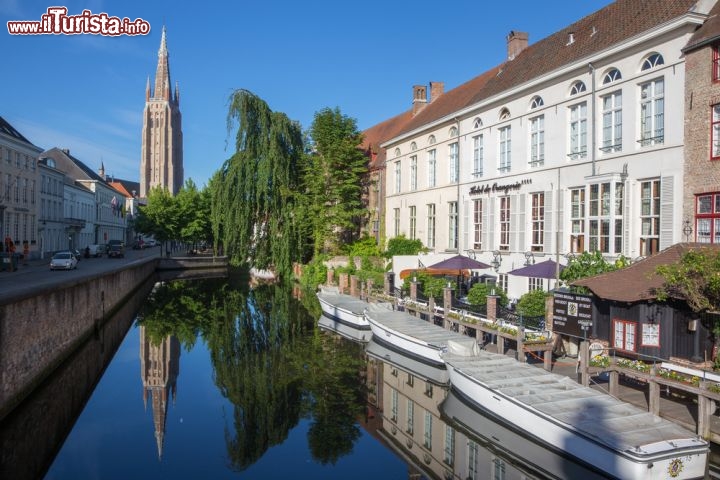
point(270, 362)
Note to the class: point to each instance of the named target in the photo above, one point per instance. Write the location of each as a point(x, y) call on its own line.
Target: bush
point(532, 304)
point(477, 295)
point(314, 273)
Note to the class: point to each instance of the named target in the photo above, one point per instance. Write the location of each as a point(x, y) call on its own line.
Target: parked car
point(63, 261)
point(96, 250)
point(76, 253)
point(116, 250)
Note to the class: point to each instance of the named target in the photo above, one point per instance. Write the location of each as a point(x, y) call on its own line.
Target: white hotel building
point(574, 143)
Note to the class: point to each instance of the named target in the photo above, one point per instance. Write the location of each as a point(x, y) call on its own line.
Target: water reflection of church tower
point(159, 368)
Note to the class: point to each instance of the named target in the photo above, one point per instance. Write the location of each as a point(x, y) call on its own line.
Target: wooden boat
point(415, 337)
point(588, 426)
point(343, 308)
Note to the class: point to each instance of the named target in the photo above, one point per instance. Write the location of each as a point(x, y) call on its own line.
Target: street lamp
point(529, 259)
point(497, 260)
point(687, 230)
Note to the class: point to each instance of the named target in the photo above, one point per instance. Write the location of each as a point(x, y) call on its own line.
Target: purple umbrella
point(460, 262)
point(546, 269)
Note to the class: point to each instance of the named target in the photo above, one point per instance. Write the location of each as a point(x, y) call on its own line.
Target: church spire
point(162, 74)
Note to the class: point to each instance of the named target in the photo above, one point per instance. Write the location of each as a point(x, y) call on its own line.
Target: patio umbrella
point(460, 262)
point(546, 269)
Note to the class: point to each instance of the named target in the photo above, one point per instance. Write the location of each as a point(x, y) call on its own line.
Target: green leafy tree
point(694, 279)
point(160, 217)
point(589, 264)
point(194, 213)
point(478, 293)
point(335, 170)
point(532, 304)
point(253, 205)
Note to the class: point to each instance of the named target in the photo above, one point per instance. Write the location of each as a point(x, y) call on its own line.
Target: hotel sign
point(572, 314)
point(499, 187)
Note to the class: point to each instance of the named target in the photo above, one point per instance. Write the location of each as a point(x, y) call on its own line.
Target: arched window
point(652, 61)
point(413, 146)
point(477, 123)
point(536, 102)
point(504, 113)
point(453, 132)
point(613, 75)
point(431, 140)
point(577, 88)
point(397, 152)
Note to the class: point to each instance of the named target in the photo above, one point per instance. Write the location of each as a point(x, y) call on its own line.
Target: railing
point(511, 316)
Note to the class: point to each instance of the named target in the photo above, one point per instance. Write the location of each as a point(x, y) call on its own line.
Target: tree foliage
point(589, 264)
point(401, 245)
point(694, 279)
point(532, 304)
point(160, 217)
point(478, 293)
point(254, 195)
point(334, 173)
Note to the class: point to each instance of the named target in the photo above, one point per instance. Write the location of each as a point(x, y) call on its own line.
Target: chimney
point(66, 151)
point(419, 98)
point(436, 89)
point(516, 43)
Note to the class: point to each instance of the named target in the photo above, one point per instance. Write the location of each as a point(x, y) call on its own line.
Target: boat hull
point(347, 316)
point(423, 351)
point(687, 461)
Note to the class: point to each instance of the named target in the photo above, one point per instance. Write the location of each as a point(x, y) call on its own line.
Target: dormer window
point(613, 75)
point(652, 61)
point(577, 88)
point(536, 102)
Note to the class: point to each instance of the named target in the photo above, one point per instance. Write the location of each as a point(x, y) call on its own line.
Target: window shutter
point(548, 224)
point(466, 223)
point(517, 222)
point(667, 207)
point(489, 224)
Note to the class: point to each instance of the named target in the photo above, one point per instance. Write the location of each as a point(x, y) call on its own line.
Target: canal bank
point(43, 327)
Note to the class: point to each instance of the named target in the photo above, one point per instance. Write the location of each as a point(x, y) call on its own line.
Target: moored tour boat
point(594, 428)
point(343, 308)
point(351, 332)
point(415, 337)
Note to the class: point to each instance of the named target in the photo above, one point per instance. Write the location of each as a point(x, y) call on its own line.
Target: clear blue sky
point(87, 92)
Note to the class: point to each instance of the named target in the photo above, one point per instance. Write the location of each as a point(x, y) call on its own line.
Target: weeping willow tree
point(253, 210)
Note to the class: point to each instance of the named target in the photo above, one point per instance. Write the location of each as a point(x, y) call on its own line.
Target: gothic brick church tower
point(162, 140)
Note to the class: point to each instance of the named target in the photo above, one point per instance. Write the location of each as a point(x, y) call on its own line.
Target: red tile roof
point(639, 281)
point(379, 133)
point(618, 21)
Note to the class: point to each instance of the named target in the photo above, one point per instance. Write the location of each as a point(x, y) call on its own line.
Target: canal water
point(213, 379)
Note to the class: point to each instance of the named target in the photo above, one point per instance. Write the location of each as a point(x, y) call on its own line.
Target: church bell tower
point(161, 162)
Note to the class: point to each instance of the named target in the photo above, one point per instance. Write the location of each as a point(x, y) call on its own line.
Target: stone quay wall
point(42, 329)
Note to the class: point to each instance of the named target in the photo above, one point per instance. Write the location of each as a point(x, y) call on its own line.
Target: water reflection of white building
point(440, 436)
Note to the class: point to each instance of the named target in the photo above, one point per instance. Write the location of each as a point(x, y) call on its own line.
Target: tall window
point(715, 133)
point(537, 141)
point(413, 172)
point(396, 221)
point(478, 152)
point(649, 217)
point(477, 224)
point(410, 416)
point(707, 222)
point(504, 161)
point(537, 221)
point(577, 220)
point(498, 468)
point(578, 131)
point(612, 122)
point(413, 222)
point(431, 225)
point(398, 178)
point(449, 452)
point(427, 434)
point(605, 222)
point(716, 63)
point(472, 459)
point(535, 283)
point(431, 168)
point(454, 164)
point(652, 112)
point(394, 405)
point(505, 223)
point(453, 225)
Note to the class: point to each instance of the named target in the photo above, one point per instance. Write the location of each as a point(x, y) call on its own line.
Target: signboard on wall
point(572, 314)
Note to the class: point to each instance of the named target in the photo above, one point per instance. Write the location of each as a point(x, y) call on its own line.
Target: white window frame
point(478, 154)
point(578, 131)
point(612, 122)
point(453, 158)
point(504, 150)
point(413, 173)
point(432, 168)
point(537, 141)
point(453, 225)
point(652, 112)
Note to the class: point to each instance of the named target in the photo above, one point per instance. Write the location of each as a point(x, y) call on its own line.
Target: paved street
point(36, 274)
